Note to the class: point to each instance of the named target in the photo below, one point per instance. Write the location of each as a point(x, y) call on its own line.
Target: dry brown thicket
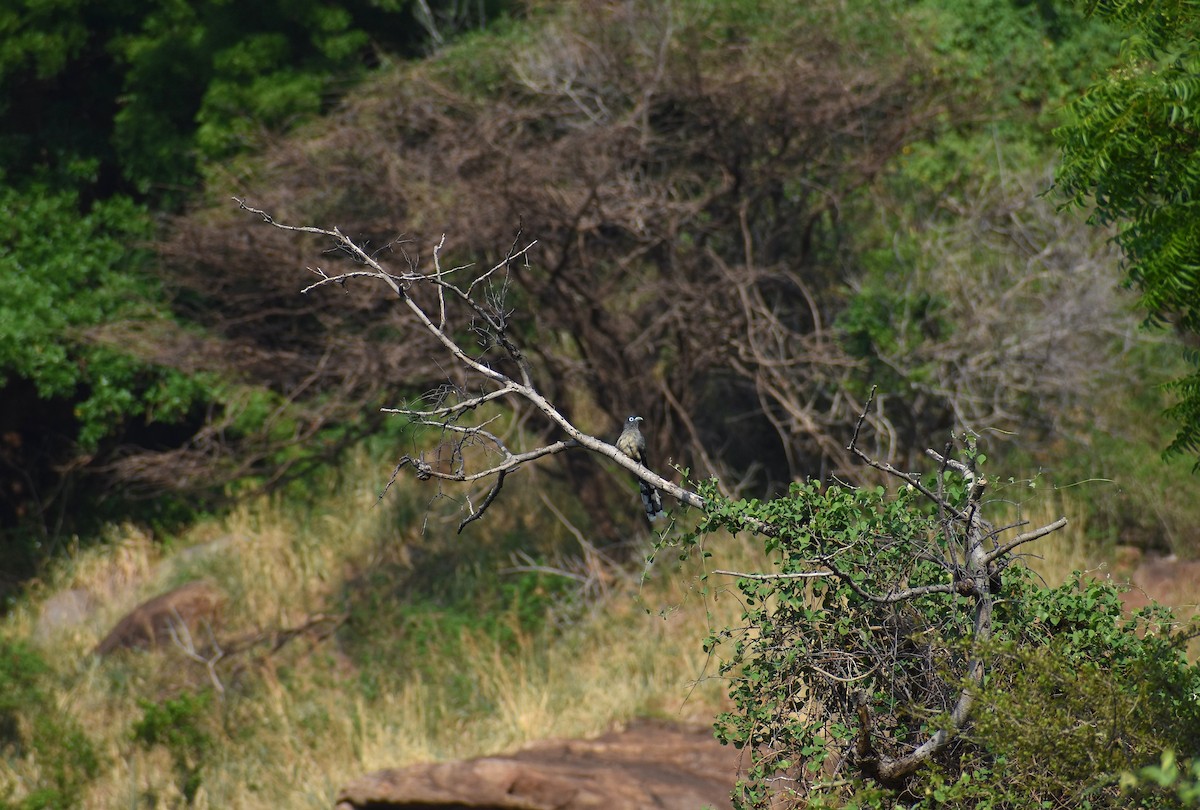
point(1033, 319)
point(692, 216)
point(686, 212)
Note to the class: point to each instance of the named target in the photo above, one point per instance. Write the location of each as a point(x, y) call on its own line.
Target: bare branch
point(181, 637)
point(765, 577)
point(510, 463)
point(492, 319)
point(457, 407)
point(1027, 537)
point(476, 514)
point(912, 479)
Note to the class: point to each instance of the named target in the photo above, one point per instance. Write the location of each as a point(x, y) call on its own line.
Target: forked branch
point(480, 300)
point(974, 574)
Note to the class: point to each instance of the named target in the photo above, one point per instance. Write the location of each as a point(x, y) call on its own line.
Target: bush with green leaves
point(1079, 693)
point(104, 386)
point(898, 652)
point(33, 723)
point(178, 724)
point(1170, 775)
point(70, 271)
point(82, 328)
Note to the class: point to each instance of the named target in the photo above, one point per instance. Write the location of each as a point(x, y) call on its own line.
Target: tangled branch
point(432, 297)
point(866, 647)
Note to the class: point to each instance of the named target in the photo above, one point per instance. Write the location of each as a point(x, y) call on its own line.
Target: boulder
point(1166, 580)
point(194, 606)
point(63, 611)
point(645, 766)
point(1169, 580)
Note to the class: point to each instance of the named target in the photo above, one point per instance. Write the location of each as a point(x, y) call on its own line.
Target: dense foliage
point(121, 96)
point(1131, 153)
point(828, 678)
point(110, 113)
point(49, 251)
point(83, 367)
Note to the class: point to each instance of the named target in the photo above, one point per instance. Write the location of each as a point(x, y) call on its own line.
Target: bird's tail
point(652, 500)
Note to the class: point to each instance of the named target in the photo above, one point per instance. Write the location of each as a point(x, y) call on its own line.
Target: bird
point(632, 443)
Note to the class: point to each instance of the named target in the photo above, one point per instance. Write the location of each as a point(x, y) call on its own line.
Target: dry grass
point(295, 725)
point(1057, 556)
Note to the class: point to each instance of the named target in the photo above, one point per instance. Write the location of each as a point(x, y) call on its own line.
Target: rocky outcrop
point(1166, 580)
point(195, 607)
point(64, 611)
point(646, 766)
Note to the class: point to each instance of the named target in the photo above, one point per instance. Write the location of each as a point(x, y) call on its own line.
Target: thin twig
point(796, 575)
point(491, 496)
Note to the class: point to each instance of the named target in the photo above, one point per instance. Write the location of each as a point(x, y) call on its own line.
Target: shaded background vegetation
point(111, 115)
point(748, 213)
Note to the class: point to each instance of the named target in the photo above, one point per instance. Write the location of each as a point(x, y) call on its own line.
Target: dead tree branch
point(432, 299)
point(181, 637)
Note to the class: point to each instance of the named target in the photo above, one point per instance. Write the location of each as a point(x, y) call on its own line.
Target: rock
point(193, 606)
point(63, 611)
point(1166, 580)
point(648, 765)
point(1169, 580)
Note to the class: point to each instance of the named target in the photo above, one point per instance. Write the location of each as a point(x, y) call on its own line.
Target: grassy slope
point(295, 724)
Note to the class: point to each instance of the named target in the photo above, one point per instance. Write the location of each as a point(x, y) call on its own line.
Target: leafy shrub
point(79, 325)
point(831, 675)
point(67, 271)
point(32, 724)
point(1082, 693)
point(178, 724)
point(1181, 777)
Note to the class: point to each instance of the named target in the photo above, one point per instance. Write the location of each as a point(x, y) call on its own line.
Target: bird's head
point(633, 420)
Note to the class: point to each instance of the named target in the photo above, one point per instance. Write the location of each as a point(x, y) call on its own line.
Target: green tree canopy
point(127, 95)
point(1131, 152)
point(109, 112)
